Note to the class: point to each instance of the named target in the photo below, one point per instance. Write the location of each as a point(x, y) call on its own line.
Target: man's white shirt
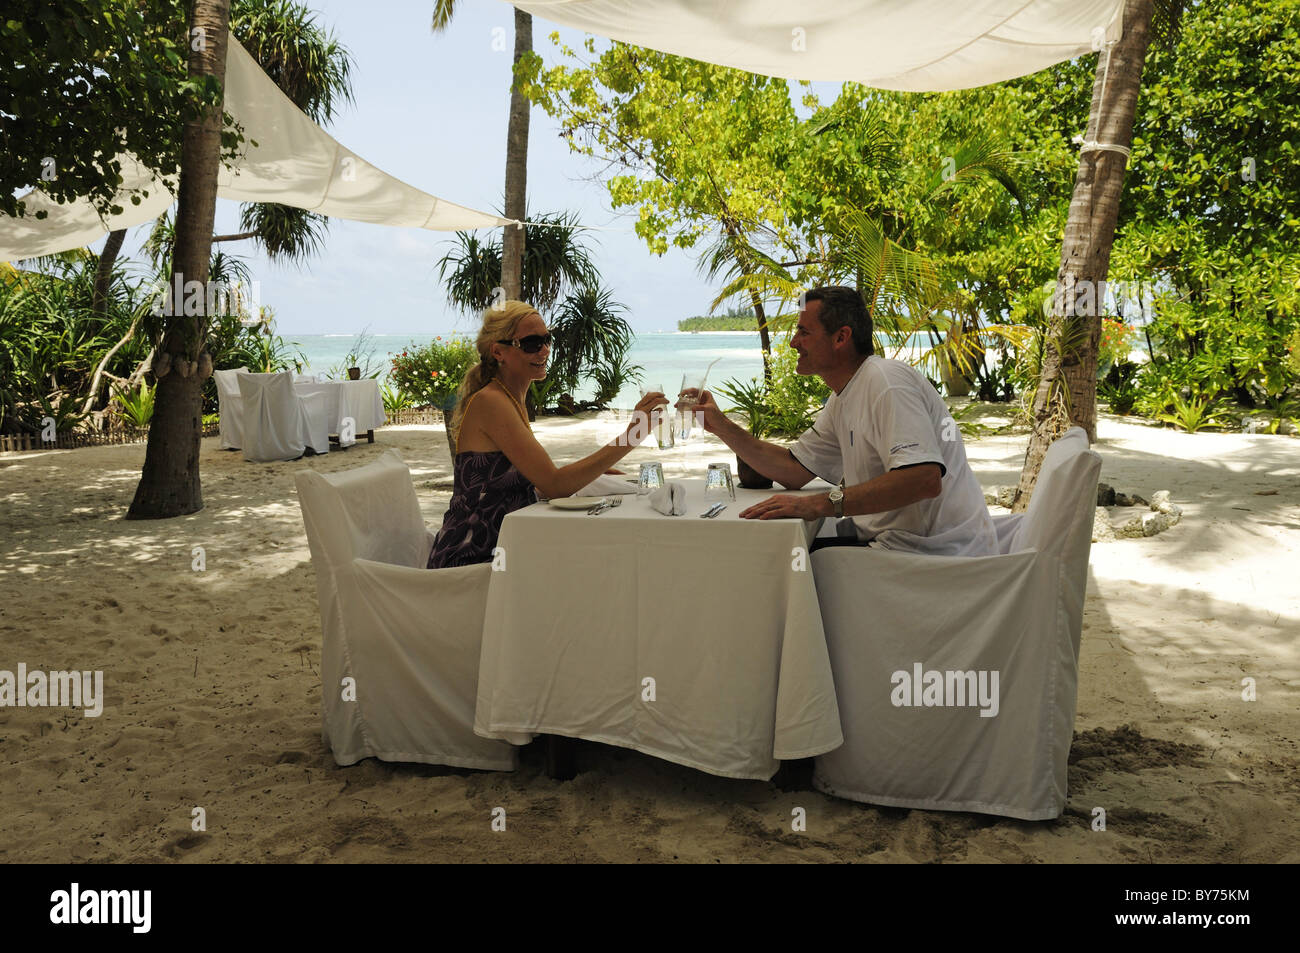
point(889, 416)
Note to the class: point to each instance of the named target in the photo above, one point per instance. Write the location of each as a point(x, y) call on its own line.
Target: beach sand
point(213, 692)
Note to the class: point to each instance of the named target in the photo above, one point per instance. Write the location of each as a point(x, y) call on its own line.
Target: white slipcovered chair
point(278, 423)
point(230, 406)
point(911, 636)
point(408, 637)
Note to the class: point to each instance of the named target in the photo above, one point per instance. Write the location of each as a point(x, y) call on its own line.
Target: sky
point(432, 110)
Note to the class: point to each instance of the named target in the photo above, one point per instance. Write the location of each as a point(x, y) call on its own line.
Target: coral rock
point(1102, 531)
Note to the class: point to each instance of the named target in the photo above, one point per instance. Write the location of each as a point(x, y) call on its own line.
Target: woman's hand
point(644, 417)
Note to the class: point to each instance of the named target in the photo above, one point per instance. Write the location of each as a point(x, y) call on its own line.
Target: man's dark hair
point(843, 307)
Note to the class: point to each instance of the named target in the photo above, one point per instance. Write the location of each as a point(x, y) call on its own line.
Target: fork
point(610, 503)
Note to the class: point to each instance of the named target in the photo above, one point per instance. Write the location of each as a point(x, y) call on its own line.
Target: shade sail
point(889, 44)
point(295, 162)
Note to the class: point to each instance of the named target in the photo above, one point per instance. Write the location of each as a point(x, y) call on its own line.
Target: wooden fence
point(17, 442)
point(426, 416)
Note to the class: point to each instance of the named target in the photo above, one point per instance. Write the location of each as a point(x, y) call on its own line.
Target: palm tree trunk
point(1067, 390)
point(104, 273)
point(169, 485)
point(764, 337)
point(512, 244)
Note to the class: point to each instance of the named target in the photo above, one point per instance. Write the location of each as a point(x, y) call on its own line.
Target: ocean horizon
point(665, 357)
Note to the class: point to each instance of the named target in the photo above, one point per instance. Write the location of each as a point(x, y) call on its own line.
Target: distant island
point(722, 322)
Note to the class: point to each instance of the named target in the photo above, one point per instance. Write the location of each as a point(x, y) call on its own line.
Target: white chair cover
point(230, 407)
point(409, 637)
point(275, 419)
point(1018, 614)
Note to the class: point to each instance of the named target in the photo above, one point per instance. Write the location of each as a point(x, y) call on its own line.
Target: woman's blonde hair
point(499, 324)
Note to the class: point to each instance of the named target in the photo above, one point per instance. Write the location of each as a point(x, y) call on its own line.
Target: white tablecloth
point(722, 614)
point(359, 400)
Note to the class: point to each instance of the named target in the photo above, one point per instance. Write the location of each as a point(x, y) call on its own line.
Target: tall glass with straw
point(686, 413)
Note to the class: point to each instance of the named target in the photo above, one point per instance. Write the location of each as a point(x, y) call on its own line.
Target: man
point(885, 437)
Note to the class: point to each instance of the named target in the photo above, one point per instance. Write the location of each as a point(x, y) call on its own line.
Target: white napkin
point(609, 485)
point(669, 499)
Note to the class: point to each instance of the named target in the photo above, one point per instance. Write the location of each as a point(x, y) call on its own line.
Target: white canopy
point(889, 44)
point(295, 162)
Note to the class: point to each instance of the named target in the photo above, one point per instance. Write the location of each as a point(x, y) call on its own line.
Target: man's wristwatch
point(837, 499)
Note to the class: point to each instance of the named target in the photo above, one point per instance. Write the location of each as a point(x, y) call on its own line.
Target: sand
point(213, 693)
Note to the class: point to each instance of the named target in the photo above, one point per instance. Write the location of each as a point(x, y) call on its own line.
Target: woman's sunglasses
point(531, 344)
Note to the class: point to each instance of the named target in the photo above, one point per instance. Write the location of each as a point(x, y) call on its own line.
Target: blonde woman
point(500, 467)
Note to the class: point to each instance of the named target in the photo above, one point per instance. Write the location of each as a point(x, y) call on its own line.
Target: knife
point(721, 507)
point(712, 511)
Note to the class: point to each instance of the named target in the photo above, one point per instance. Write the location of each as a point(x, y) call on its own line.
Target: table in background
point(722, 614)
point(359, 400)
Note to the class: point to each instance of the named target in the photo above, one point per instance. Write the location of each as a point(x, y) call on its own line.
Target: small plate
point(577, 502)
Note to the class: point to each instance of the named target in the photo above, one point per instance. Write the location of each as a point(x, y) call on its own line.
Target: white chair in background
point(917, 739)
point(400, 646)
point(230, 406)
point(278, 424)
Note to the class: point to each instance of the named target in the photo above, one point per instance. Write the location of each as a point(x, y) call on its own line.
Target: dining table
point(695, 640)
point(358, 400)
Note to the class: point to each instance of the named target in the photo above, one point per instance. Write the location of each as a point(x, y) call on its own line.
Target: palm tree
point(556, 262)
point(169, 483)
point(1067, 390)
point(314, 70)
point(515, 239)
point(592, 338)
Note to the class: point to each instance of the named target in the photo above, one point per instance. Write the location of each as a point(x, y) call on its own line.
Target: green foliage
point(87, 81)
point(361, 355)
point(1192, 414)
point(430, 374)
point(612, 376)
point(64, 413)
point(555, 261)
point(1119, 387)
point(736, 319)
point(395, 399)
point(591, 339)
point(137, 406)
point(751, 400)
point(51, 340)
point(786, 406)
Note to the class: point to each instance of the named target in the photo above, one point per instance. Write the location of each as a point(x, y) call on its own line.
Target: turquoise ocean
point(665, 356)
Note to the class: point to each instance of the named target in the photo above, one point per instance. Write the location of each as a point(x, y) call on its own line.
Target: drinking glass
point(652, 476)
point(664, 427)
point(718, 481)
point(686, 414)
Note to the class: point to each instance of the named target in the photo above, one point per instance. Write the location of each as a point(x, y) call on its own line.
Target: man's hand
point(706, 409)
point(785, 505)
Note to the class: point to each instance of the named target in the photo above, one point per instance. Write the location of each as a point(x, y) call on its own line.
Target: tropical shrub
point(1116, 343)
point(1119, 387)
point(395, 399)
point(1192, 414)
point(431, 373)
point(136, 406)
point(787, 406)
point(591, 340)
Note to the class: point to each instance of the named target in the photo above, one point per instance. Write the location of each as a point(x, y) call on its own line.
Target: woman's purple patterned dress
point(487, 487)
